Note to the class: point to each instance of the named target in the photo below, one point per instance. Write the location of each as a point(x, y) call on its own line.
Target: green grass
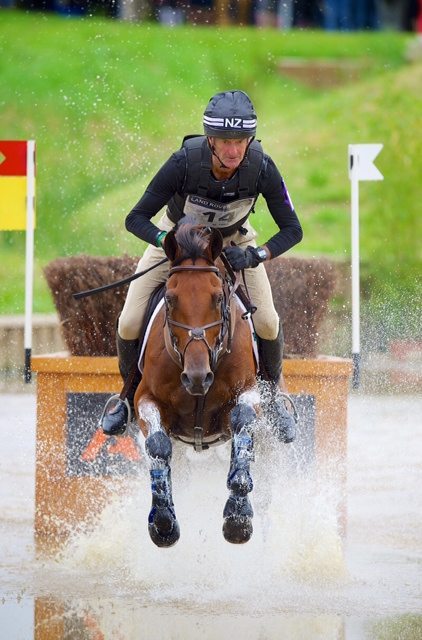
point(107, 102)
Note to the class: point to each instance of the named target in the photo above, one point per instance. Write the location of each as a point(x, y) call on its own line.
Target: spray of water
point(296, 536)
point(289, 580)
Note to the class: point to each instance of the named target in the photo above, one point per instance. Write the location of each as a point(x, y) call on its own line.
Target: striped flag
point(16, 166)
point(17, 213)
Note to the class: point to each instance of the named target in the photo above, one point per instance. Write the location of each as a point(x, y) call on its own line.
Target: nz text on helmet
point(230, 114)
point(231, 123)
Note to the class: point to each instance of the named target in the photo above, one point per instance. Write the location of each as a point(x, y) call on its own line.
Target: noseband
point(198, 333)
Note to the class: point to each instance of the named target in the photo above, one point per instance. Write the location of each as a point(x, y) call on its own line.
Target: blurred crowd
point(346, 15)
point(333, 15)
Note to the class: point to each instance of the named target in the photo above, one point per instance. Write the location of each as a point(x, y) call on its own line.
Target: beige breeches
point(265, 318)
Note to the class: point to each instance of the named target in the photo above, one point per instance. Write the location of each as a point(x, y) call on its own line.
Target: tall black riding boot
point(116, 412)
point(275, 401)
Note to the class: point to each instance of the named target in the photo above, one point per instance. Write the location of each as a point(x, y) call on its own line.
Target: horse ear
point(170, 245)
point(215, 244)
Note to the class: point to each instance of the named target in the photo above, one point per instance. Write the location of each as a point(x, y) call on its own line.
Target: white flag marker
point(361, 167)
point(29, 268)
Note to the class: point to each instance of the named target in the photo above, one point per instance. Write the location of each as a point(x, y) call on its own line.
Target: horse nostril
point(209, 379)
point(198, 385)
point(185, 379)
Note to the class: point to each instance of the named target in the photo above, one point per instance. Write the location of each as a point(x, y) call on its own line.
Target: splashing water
point(295, 536)
point(296, 577)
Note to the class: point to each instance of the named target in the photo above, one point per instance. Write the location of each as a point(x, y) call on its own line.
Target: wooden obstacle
point(75, 461)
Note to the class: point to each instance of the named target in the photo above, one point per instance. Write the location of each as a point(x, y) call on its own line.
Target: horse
point(199, 379)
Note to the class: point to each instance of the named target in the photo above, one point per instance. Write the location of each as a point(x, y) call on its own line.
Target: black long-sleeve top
point(170, 179)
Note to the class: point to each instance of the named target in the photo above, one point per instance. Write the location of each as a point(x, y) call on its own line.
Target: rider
point(216, 178)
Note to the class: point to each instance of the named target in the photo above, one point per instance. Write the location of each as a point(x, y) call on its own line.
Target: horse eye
point(218, 298)
point(169, 300)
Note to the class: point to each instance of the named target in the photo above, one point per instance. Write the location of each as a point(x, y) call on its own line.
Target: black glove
point(240, 259)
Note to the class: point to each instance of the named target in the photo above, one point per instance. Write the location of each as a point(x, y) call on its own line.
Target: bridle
point(230, 283)
point(221, 346)
point(198, 333)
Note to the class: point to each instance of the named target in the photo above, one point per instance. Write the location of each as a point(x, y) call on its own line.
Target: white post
point(355, 277)
point(29, 264)
point(361, 167)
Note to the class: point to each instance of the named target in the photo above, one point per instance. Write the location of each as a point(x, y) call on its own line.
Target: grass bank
point(107, 102)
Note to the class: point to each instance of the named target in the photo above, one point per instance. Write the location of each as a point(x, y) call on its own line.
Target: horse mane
point(192, 238)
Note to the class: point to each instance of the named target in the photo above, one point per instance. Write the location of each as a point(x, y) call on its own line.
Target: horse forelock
point(193, 239)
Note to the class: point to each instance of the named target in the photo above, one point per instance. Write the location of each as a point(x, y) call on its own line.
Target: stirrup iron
point(115, 398)
point(294, 412)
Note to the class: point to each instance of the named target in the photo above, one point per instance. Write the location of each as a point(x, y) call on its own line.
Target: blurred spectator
point(134, 10)
point(337, 15)
point(307, 14)
point(36, 5)
point(266, 13)
point(364, 14)
point(419, 18)
point(333, 15)
point(109, 8)
point(170, 12)
point(200, 11)
point(241, 11)
point(285, 14)
point(410, 15)
point(390, 14)
point(72, 7)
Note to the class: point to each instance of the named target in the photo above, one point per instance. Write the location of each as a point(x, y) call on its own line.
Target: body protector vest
point(222, 205)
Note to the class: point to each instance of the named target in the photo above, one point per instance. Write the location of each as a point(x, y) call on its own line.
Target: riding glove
point(240, 259)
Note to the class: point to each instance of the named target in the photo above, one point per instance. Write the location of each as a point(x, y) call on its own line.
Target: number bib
point(217, 214)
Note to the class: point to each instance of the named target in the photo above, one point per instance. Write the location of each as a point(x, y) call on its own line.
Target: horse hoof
point(237, 530)
point(163, 527)
point(167, 540)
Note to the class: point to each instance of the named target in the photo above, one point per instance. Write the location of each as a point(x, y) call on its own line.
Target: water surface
point(296, 579)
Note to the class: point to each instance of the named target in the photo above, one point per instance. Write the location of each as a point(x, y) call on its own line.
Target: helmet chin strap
point(222, 165)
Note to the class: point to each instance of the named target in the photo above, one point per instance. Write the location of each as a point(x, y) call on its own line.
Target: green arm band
point(160, 238)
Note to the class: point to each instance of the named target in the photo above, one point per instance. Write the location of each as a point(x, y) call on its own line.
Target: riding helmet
point(230, 114)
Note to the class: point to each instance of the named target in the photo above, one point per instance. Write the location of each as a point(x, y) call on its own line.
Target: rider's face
point(230, 150)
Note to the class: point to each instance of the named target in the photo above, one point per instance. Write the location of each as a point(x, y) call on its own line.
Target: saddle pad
point(147, 332)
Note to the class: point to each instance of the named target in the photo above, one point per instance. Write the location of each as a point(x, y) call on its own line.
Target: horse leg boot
point(115, 419)
point(275, 401)
point(238, 512)
point(162, 523)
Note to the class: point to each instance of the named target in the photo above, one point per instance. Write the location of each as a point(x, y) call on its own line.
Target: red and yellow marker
point(17, 213)
point(15, 167)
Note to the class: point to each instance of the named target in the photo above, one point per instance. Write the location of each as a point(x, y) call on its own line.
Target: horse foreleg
point(163, 527)
point(238, 512)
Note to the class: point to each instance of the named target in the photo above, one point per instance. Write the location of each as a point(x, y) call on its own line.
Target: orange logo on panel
point(121, 445)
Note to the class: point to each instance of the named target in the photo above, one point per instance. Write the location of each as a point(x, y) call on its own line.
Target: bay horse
point(199, 379)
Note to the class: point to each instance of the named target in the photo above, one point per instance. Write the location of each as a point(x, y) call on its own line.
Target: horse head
point(196, 304)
